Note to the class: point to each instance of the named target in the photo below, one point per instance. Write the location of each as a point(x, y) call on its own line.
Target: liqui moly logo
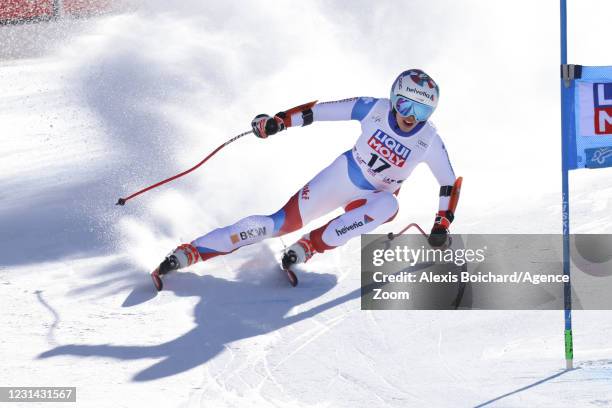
point(389, 148)
point(602, 98)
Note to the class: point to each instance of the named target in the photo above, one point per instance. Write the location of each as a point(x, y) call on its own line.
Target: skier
point(396, 136)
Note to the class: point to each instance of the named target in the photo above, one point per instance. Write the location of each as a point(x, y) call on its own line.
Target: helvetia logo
point(306, 192)
point(429, 96)
point(602, 99)
point(366, 220)
point(248, 234)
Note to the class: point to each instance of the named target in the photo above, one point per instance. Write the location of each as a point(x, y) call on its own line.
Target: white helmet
point(414, 93)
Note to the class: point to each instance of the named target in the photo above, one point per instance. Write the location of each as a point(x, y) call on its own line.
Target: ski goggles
point(407, 107)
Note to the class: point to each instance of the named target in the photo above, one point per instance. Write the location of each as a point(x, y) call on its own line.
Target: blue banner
point(590, 121)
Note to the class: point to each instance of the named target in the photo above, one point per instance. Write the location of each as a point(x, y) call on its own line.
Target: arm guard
point(445, 217)
point(305, 110)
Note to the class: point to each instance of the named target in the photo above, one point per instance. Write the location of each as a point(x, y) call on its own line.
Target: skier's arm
point(303, 115)
point(345, 109)
point(439, 163)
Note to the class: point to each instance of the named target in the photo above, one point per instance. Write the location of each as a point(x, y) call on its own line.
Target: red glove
point(263, 125)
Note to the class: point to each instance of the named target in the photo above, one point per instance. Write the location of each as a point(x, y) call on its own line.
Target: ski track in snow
point(96, 111)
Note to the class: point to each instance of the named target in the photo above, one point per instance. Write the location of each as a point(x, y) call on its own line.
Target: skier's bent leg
point(249, 230)
point(365, 215)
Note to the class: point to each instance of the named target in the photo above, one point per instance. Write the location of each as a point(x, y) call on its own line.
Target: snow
point(94, 109)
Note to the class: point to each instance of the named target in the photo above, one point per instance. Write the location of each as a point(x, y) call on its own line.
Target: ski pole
point(122, 201)
point(391, 235)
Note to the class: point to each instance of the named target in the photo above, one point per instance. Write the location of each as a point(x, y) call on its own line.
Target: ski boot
point(299, 252)
point(169, 264)
point(181, 257)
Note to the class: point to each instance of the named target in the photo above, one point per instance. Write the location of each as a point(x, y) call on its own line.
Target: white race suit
point(363, 180)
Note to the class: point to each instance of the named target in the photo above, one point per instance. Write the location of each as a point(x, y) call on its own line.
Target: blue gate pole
point(567, 288)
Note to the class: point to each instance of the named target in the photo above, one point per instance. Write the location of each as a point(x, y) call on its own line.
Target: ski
point(291, 276)
point(157, 280)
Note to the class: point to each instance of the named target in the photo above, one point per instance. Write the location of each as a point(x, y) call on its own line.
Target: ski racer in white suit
point(395, 137)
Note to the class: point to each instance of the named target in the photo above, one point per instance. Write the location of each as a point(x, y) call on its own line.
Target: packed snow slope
point(91, 110)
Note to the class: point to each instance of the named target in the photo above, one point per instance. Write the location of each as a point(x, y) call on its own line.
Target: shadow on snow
point(228, 311)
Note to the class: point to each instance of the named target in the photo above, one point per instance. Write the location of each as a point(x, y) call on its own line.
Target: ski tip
point(157, 281)
point(293, 280)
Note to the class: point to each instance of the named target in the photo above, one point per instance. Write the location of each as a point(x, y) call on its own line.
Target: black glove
point(263, 125)
point(439, 231)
